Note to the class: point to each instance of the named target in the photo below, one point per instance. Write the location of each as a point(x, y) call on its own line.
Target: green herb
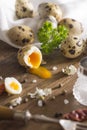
point(51, 37)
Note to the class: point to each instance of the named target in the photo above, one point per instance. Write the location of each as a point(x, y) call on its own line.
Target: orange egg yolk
point(41, 72)
point(34, 59)
point(14, 86)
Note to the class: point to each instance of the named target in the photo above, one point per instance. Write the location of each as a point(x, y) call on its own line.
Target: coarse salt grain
point(11, 107)
point(54, 68)
point(1, 77)
point(66, 101)
point(40, 103)
point(34, 81)
point(18, 100)
point(26, 99)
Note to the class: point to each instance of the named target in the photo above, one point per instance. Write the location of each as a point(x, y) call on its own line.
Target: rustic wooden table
point(9, 67)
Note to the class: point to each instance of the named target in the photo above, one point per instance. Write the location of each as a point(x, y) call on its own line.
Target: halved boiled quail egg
point(30, 56)
point(12, 85)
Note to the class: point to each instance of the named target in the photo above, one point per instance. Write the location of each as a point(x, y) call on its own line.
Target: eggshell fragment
point(30, 56)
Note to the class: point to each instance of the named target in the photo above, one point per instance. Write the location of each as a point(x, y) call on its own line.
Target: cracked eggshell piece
point(75, 27)
point(72, 47)
point(24, 9)
point(12, 85)
point(46, 9)
point(30, 56)
point(21, 35)
point(49, 19)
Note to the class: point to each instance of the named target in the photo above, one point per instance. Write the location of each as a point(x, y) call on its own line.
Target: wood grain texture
point(9, 66)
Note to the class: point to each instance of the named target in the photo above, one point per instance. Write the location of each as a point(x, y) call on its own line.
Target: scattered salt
point(16, 101)
point(40, 93)
point(66, 101)
point(34, 81)
point(11, 107)
point(40, 103)
point(26, 99)
point(54, 68)
point(1, 77)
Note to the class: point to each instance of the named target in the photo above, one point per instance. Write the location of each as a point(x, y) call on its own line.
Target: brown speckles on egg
point(78, 52)
point(31, 12)
point(21, 35)
point(75, 38)
point(19, 27)
point(63, 51)
point(47, 9)
point(16, 12)
point(24, 9)
point(75, 27)
point(69, 46)
point(72, 52)
point(70, 26)
point(64, 42)
point(23, 29)
point(25, 40)
point(64, 20)
point(16, 40)
point(73, 47)
point(46, 6)
point(30, 35)
point(18, 35)
point(73, 20)
point(50, 9)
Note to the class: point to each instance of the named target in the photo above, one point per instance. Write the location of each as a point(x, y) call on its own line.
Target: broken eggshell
point(30, 56)
point(72, 47)
point(20, 35)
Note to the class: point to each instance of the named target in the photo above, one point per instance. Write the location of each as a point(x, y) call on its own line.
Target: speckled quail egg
point(49, 18)
point(72, 47)
point(21, 35)
point(30, 56)
point(24, 9)
point(12, 85)
point(46, 9)
point(75, 27)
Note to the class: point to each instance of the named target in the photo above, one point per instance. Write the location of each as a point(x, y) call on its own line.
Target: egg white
point(9, 89)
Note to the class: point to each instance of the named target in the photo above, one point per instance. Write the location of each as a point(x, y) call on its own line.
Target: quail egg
point(24, 9)
point(21, 35)
point(72, 47)
point(30, 56)
point(46, 9)
point(75, 27)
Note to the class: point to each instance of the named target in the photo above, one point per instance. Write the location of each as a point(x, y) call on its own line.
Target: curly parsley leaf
point(51, 37)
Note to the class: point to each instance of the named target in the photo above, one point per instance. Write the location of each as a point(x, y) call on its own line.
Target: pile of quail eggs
point(21, 35)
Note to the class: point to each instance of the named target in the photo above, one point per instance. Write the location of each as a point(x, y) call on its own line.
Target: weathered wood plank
point(9, 66)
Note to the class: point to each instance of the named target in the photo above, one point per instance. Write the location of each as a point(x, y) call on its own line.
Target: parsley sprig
point(51, 37)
